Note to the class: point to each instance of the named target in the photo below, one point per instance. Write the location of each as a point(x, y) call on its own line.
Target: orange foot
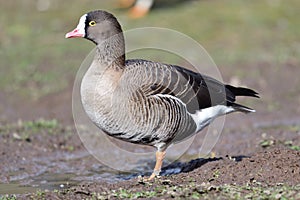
point(138, 12)
point(160, 155)
point(150, 178)
point(125, 3)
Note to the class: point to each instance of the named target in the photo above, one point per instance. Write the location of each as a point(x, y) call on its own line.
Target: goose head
point(96, 26)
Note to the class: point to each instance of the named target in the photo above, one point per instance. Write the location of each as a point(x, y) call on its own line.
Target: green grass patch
point(22, 130)
point(207, 191)
point(269, 142)
point(8, 197)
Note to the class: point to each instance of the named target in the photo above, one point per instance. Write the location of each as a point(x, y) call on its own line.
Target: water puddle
point(15, 188)
point(42, 182)
point(58, 172)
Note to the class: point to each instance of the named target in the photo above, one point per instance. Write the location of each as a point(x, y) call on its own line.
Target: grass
point(23, 130)
point(37, 60)
point(268, 140)
point(254, 190)
point(265, 143)
point(35, 56)
point(234, 31)
point(8, 197)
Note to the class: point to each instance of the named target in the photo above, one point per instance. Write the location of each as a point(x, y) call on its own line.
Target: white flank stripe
point(205, 116)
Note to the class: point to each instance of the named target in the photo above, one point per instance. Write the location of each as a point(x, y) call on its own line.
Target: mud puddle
point(55, 172)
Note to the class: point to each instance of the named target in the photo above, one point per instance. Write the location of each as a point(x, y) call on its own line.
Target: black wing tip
point(253, 93)
point(241, 91)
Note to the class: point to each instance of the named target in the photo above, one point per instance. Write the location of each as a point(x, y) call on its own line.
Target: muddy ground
point(266, 164)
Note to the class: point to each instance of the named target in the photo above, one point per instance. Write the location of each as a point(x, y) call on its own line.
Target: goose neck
point(111, 52)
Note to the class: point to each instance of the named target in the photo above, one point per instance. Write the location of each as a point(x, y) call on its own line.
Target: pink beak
point(73, 34)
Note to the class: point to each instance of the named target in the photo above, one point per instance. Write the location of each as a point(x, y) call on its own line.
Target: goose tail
point(241, 108)
point(240, 91)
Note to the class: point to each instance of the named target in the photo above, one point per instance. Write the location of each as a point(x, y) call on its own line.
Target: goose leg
point(160, 155)
point(140, 9)
point(125, 3)
point(138, 12)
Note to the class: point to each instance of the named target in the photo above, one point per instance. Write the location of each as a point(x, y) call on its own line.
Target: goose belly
point(153, 121)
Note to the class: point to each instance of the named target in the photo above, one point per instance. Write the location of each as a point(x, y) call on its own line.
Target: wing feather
point(195, 90)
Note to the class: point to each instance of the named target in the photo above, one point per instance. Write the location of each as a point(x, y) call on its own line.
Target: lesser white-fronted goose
point(147, 102)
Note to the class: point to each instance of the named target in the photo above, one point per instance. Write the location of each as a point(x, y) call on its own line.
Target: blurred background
point(254, 43)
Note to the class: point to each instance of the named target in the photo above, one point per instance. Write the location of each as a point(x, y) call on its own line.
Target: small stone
point(267, 192)
point(278, 196)
point(16, 136)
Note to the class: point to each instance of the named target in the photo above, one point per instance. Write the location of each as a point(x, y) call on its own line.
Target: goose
point(147, 102)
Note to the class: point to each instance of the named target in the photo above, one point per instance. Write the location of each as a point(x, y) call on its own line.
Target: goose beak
point(75, 33)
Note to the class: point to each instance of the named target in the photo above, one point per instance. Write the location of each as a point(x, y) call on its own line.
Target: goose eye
point(92, 23)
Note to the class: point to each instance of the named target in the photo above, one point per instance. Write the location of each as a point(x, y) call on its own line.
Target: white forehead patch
point(81, 24)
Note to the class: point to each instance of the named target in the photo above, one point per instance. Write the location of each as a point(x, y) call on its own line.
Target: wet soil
point(278, 165)
point(54, 161)
point(58, 165)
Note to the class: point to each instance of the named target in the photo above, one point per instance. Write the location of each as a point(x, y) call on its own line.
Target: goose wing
point(196, 91)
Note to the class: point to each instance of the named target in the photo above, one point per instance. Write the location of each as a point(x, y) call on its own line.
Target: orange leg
point(160, 155)
point(140, 8)
point(125, 3)
point(138, 12)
